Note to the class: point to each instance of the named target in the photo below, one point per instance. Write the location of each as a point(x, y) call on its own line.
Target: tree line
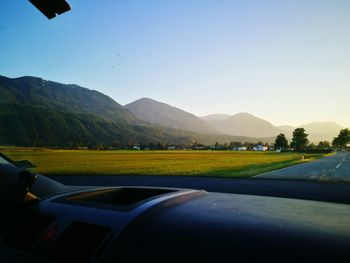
point(301, 143)
point(132, 145)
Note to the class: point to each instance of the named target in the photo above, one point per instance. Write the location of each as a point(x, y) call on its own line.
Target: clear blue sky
point(285, 61)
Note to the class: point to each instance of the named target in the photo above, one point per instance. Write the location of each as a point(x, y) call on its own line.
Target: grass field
point(204, 163)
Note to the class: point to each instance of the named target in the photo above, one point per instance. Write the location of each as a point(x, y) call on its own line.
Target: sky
point(285, 61)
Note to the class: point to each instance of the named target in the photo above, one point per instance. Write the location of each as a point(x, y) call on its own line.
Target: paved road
point(336, 167)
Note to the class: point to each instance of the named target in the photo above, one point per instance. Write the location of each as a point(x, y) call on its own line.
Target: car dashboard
point(133, 224)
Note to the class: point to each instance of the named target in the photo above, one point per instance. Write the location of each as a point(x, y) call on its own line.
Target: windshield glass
point(3, 160)
point(234, 89)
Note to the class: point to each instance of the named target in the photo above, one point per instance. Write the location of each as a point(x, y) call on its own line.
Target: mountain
point(245, 124)
point(26, 125)
point(215, 117)
point(249, 125)
point(62, 97)
point(153, 111)
point(36, 112)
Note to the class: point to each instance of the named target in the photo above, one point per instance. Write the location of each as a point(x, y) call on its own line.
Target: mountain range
point(37, 112)
point(240, 124)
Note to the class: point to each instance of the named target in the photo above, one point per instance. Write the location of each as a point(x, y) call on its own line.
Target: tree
point(99, 147)
point(324, 145)
point(116, 144)
point(342, 139)
point(299, 141)
point(260, 143)
point(281, 142)
point(312, 145)
point(235, 145)
point(248, 145)
point(161, 146)
point(130, 145)
point(231, 145)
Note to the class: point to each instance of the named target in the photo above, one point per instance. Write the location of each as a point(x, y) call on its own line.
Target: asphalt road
point(333, 168)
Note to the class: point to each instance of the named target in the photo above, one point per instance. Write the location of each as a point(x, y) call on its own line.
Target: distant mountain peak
point(244, 114)
point(215, 117)
point(153, 111)
point(242, 123)
point(146, 99)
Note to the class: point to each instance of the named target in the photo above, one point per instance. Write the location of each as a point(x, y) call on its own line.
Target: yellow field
point(205, 163)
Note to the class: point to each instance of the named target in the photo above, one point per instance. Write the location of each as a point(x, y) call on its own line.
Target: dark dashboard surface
point(133, 224)
point(338, 192)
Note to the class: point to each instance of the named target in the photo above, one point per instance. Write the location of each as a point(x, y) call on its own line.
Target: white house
point(240, 148)
point(260, 148)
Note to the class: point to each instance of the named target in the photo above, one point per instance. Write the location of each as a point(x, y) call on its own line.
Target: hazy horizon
point(283, 61)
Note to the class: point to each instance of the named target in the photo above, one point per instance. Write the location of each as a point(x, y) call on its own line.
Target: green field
point(203, 163)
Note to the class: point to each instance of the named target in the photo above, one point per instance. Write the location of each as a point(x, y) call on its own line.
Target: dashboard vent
point(27, 232)
point(78, 243)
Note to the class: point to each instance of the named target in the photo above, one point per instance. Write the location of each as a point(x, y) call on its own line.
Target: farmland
point(186, 163)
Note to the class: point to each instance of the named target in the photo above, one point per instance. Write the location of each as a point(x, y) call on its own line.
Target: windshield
point(234, 89)
point(3, 160)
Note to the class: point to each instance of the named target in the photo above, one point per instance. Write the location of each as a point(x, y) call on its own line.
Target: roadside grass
point(184, 163)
